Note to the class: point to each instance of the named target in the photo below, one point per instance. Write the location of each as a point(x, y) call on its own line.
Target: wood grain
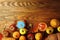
point(33, 14)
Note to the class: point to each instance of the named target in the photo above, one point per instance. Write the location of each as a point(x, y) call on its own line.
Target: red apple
point(42, 26)
point(12, 27)
point(1, 36)
point(30, 37)
point(35, 28)
point(5, 33)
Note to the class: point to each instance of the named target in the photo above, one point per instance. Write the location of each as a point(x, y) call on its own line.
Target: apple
point(16, 34)
point(20, 24)
point(54, 23)
point(23, 31)
point(5, 33)
point(1, 36)
point(42, 26)
point(30, 36)
point(12, 28)
point(38, 36)
point(58, 29)
point(35, 28)
point(22, 38)
point(49, 30)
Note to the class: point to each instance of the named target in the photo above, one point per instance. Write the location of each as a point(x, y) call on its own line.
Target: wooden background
point(31, 10)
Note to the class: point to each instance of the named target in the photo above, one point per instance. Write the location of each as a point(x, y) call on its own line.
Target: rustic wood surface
point(33, 11)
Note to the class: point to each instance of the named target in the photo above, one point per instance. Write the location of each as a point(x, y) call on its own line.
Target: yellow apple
point(16, 34)
point(38, 36)
point(23, 31)
point(49, 30)
point(58, 28)
point(54, 23)
point(22, 38)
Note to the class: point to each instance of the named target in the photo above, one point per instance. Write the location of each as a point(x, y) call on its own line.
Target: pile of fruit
point(21, 30)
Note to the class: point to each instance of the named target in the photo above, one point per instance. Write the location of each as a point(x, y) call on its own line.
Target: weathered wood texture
point(33, 11)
